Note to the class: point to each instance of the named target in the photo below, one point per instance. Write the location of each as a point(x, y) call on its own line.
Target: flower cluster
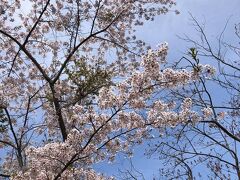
point(207, 112)
point(63, 94)
point(48, 161)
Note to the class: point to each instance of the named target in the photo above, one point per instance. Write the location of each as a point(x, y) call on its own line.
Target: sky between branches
point(214, 14)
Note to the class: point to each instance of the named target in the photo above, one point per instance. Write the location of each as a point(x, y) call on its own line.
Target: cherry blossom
point(77, 86)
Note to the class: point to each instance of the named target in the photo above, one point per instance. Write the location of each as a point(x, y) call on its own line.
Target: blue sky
point(214, 14)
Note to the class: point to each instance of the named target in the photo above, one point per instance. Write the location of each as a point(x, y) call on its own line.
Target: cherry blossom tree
point(208, 149)
point(77, 86)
